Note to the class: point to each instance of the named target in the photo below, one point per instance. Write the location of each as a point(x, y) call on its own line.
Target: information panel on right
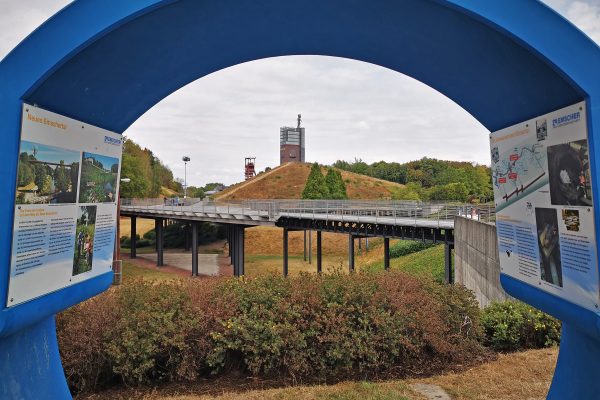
point(544, 205)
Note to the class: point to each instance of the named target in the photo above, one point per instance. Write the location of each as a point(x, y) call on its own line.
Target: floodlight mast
point(185, 160)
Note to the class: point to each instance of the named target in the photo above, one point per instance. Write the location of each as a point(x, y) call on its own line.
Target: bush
point(513, 325)
point(310, 327)
point(405, 247)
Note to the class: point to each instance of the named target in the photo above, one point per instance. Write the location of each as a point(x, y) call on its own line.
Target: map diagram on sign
point(518, 170)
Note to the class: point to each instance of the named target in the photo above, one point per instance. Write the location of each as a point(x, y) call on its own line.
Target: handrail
point(326, 209)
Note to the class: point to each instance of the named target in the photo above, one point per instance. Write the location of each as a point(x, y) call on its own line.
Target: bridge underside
point(362, 229)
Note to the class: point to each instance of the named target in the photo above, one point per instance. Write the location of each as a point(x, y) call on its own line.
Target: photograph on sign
point(84, 239)
point(46, 174)
point(65, 208)
point(569, 171)
point(548, 241)
point(98, 178)
point(544, 205)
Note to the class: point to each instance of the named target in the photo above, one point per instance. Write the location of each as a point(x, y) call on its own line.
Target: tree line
point(147, 173)
point(429, 178)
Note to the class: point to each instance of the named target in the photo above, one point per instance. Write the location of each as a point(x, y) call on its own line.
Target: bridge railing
point(369, 210)
point(356, 210)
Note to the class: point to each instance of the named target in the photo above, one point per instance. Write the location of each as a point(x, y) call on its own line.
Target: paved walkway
point(180, 262)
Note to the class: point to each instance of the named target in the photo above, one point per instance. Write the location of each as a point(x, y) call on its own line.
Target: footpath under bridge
point(409, 220)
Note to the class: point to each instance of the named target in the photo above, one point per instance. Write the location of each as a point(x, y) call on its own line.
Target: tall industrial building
point(291, 143)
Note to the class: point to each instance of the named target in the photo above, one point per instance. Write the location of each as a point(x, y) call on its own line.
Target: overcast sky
point(237, 112)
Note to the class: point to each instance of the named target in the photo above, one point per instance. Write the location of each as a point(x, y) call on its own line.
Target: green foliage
point(452, 191)
point(316, 186)
point(405, 247)
point(147, 173)
point(62, 179)
point(429, 173)
point(513, 325)
point(25, 175)
point(335, 185)
point(195, 192)
point(311, 327)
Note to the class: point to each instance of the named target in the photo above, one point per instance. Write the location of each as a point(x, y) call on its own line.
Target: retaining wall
point(476, 260)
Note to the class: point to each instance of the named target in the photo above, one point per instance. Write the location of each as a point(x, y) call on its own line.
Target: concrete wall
point(476, 259)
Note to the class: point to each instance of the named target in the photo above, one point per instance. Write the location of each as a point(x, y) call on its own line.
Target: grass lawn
point(428, 262)
point(261, 264)
point(515, 376)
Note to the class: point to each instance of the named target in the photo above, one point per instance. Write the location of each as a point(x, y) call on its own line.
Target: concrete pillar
point(448, 273)
point(386, 253)
point(319, 253)
point(159, 226)
point(351, 253)
point(194, 248)
point(285, 252)
point(133, 237)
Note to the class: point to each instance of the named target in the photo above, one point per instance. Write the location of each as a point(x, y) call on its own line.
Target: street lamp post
point(117, 263)
point(185, 159)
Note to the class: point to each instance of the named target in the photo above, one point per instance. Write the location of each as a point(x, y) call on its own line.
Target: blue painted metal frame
point(107, 62)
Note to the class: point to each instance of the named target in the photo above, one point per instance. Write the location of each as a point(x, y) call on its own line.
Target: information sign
point(545, 215)
point(66, 204)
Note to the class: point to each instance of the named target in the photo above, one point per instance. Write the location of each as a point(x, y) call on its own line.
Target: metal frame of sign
point(105, 63)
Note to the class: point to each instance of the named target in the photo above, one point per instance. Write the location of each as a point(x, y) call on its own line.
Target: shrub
point(512, 325)
point(311, 327)
point(405, 247)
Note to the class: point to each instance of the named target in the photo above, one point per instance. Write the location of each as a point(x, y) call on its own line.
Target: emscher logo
point(111, 140)
point(566, 119)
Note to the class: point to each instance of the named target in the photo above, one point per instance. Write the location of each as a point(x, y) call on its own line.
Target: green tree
point(61, 178)
point(131, 168)
point(74, 175)
point(335, 185)
point(316, 187)
point(40, 175)
point(25, 173)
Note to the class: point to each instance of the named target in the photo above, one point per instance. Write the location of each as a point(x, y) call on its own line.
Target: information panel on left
point(65, 205)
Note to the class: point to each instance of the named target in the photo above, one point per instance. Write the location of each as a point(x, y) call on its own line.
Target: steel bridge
point(409, 220)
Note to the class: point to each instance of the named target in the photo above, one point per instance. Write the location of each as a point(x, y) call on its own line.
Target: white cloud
point(226, 116)
point(587, 17)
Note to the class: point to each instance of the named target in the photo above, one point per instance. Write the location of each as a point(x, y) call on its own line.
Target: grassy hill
point(287, 182)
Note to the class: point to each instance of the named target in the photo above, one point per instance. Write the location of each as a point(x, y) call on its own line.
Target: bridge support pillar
point(386, 253)
point(351, 253)
point(310, 246)
point(238, 257)
point(186, 232)
point(194, 248)
point(305, 245)
point(231, 239)
point(319, 253)
point(133, 237)
point(159, 228)
point(285, 251)
point(448, 272)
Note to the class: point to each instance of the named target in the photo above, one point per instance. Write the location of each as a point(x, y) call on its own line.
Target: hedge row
point(305, 328)
point(406, 247)
point(513, 325)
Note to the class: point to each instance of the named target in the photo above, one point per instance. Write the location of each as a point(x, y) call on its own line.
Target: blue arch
point(106, 63)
